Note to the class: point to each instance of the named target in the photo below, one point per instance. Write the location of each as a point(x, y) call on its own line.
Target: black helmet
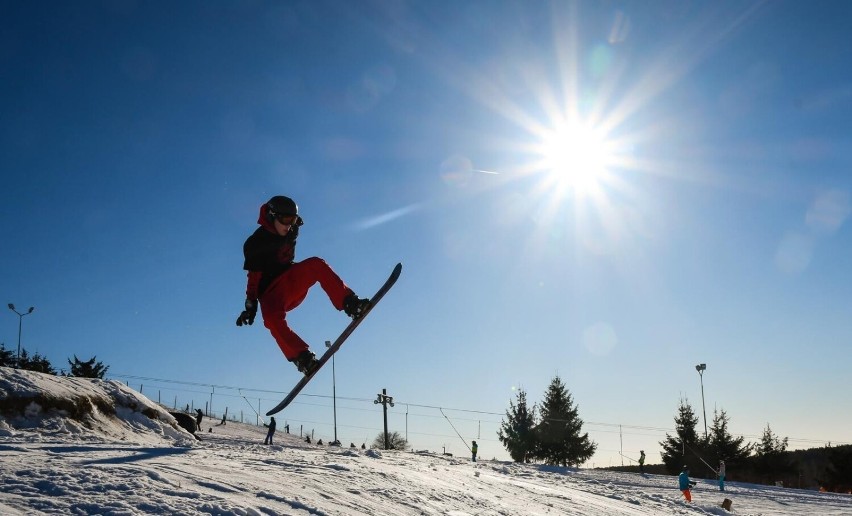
point(281, 206)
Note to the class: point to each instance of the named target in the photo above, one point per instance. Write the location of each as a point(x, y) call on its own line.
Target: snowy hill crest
point(88, 408)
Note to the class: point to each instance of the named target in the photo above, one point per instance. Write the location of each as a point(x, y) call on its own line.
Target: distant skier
point(642, 461)
point(685, 484)
point(721, 475)
point(281, 284)
point(271, 431)
point(473, 449)
point(199, 416)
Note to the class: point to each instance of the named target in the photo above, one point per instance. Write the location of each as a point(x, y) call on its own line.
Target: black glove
point(248, 315)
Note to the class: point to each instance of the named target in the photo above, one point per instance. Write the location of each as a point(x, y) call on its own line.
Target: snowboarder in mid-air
point(280, 283)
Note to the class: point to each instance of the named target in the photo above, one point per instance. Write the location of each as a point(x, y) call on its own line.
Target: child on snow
point(685, 484)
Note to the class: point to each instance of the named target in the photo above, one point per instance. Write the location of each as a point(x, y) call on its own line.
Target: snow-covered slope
point(136, 461)
point(56, 407)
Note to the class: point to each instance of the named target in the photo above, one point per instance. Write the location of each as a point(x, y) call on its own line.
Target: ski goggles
point(287, 220)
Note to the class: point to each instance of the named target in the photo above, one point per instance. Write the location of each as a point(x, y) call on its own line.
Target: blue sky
point(694, 207)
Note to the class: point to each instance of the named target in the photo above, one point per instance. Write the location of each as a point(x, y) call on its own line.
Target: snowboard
point(340, 340)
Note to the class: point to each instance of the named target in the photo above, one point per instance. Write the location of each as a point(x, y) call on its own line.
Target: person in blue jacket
point(685, 483)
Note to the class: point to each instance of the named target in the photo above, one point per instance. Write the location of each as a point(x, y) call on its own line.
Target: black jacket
point(267, 254)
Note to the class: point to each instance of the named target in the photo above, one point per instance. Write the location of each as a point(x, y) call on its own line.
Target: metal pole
point(333, 389)
point(385, 400)
point(385, 406)
point(701, 368)
point(20, 320)
point(703, 406)
point(20, 325)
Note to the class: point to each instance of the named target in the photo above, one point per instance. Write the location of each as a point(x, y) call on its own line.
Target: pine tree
point(558, 434)
point(771, 461)
point(770, 444)
point(23, 359)
point(682, 449)
point(88, 369)
point(517, 434)
point(39, 363)
point(7, 357)
point(723, 446)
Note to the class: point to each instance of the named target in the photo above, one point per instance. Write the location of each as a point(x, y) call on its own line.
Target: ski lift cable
point(454, 428)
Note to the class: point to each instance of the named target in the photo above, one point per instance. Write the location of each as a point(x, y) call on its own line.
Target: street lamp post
point(701, 368)
point(20, 321)
point(333, 390)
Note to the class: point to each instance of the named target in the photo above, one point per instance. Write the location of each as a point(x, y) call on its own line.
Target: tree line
point(91, 368)
point(767, 461)
point(550, 432)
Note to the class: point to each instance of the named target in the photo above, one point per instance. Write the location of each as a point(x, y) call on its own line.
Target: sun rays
point(584, 121)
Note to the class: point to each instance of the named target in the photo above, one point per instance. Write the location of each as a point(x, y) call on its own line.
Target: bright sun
point(575, 157)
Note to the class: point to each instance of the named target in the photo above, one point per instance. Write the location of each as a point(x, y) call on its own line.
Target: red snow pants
point(288, 291)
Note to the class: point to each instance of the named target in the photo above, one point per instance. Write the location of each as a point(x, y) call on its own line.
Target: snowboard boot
point(306, 362)
point(354, 306)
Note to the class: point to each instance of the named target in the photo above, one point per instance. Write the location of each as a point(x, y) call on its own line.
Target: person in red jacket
point(280, 283)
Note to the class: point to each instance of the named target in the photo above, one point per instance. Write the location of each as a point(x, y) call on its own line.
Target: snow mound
point(44, 405)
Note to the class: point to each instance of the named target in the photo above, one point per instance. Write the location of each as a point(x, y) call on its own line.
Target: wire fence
point(245, 405)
